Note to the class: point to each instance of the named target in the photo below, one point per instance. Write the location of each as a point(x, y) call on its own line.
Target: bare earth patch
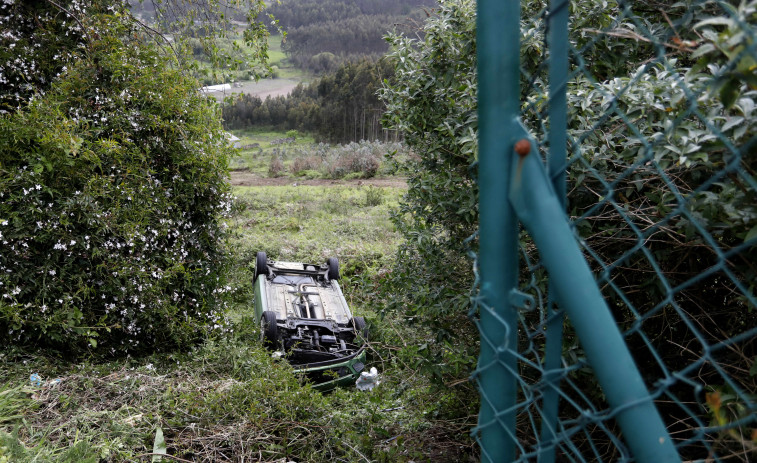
point(246, 178)
point(262, 88)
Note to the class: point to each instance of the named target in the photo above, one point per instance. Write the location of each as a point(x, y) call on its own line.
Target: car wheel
point(359, 324)
point(269, 331)
point(333, 265)
point(261, 265)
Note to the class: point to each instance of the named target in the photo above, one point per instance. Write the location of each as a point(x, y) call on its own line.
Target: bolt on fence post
point(498, 53)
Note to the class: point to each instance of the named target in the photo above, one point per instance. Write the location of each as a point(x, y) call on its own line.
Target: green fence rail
point(618, 230)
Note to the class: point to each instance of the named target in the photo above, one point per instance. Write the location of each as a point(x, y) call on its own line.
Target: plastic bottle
point(368, 381)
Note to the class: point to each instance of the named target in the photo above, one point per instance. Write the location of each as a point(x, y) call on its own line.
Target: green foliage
point(373, 196)
point(326, 221)
point(35, 47)
point(112, 186)
point(203, 31)
point(41, 39)
point(690, 151)
point(626, 115)
point(433, 104)
point(349, 161)
point(227, 397)
point(13, 402)
point(726, 42)
point(13, 450)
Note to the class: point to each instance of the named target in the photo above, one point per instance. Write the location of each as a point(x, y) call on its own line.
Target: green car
point(304, 316)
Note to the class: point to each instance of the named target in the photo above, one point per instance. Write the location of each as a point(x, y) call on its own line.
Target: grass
point(258, 156)
point(303, 158)
point(312, 223)
point(228, 399)
point(275, 55)
point(264, 137)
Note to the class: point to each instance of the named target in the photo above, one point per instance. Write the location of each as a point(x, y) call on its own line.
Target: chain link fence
point(637, 119)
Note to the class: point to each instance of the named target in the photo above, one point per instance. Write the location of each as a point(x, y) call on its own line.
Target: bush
point(275, 167)
point(363, 157)
point(306, 163)
point(112, 186)
point(374, 196)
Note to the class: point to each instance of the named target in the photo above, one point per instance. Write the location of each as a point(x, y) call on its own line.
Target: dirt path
point(262, 88)
point(246, 178)
point(281, 91)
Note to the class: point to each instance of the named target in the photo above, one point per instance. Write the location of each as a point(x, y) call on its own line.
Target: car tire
point(269, 331)
point(261, 265)
point(333, 264)
point(359, 324)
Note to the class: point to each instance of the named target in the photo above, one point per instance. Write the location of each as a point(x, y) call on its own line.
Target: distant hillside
point(321, 35)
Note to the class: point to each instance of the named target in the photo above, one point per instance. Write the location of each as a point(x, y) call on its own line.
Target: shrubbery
point(112, 186)
point(363, 160)
point(687, 121)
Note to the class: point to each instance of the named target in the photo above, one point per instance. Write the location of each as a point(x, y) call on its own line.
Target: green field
point(258, 148)
point(316, 222)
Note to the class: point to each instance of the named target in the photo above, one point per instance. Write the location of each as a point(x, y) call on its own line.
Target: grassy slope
point(228, 400)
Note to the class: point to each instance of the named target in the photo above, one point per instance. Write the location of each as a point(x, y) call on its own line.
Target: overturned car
point(304, 316)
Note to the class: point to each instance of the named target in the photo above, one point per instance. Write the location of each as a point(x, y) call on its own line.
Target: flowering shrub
point(112, 184)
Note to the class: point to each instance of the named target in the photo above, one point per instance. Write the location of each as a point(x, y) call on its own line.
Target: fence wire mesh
point(662, 198)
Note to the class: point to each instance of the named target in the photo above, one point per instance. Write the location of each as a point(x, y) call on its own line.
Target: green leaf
point(752, 234)
point(159, 446)
point(729, 92)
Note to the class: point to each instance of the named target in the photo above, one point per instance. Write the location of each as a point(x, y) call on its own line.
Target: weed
point(13, 402)
point(373, 196)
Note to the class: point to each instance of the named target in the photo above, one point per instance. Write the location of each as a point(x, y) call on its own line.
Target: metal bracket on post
point(535, 203)
point(522, 301)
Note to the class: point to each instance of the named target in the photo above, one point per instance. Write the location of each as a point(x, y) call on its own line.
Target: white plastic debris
point(368, 381)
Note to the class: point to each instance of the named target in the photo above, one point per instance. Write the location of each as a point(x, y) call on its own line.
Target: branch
point(156, 32)
point(163, 455)
point(83, 29)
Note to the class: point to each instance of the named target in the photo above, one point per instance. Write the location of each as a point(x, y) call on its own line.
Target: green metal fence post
point(536, 204)
point(557, 38)
point(498, 38)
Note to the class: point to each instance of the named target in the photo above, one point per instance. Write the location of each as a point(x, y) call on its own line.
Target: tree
point(42, 38)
